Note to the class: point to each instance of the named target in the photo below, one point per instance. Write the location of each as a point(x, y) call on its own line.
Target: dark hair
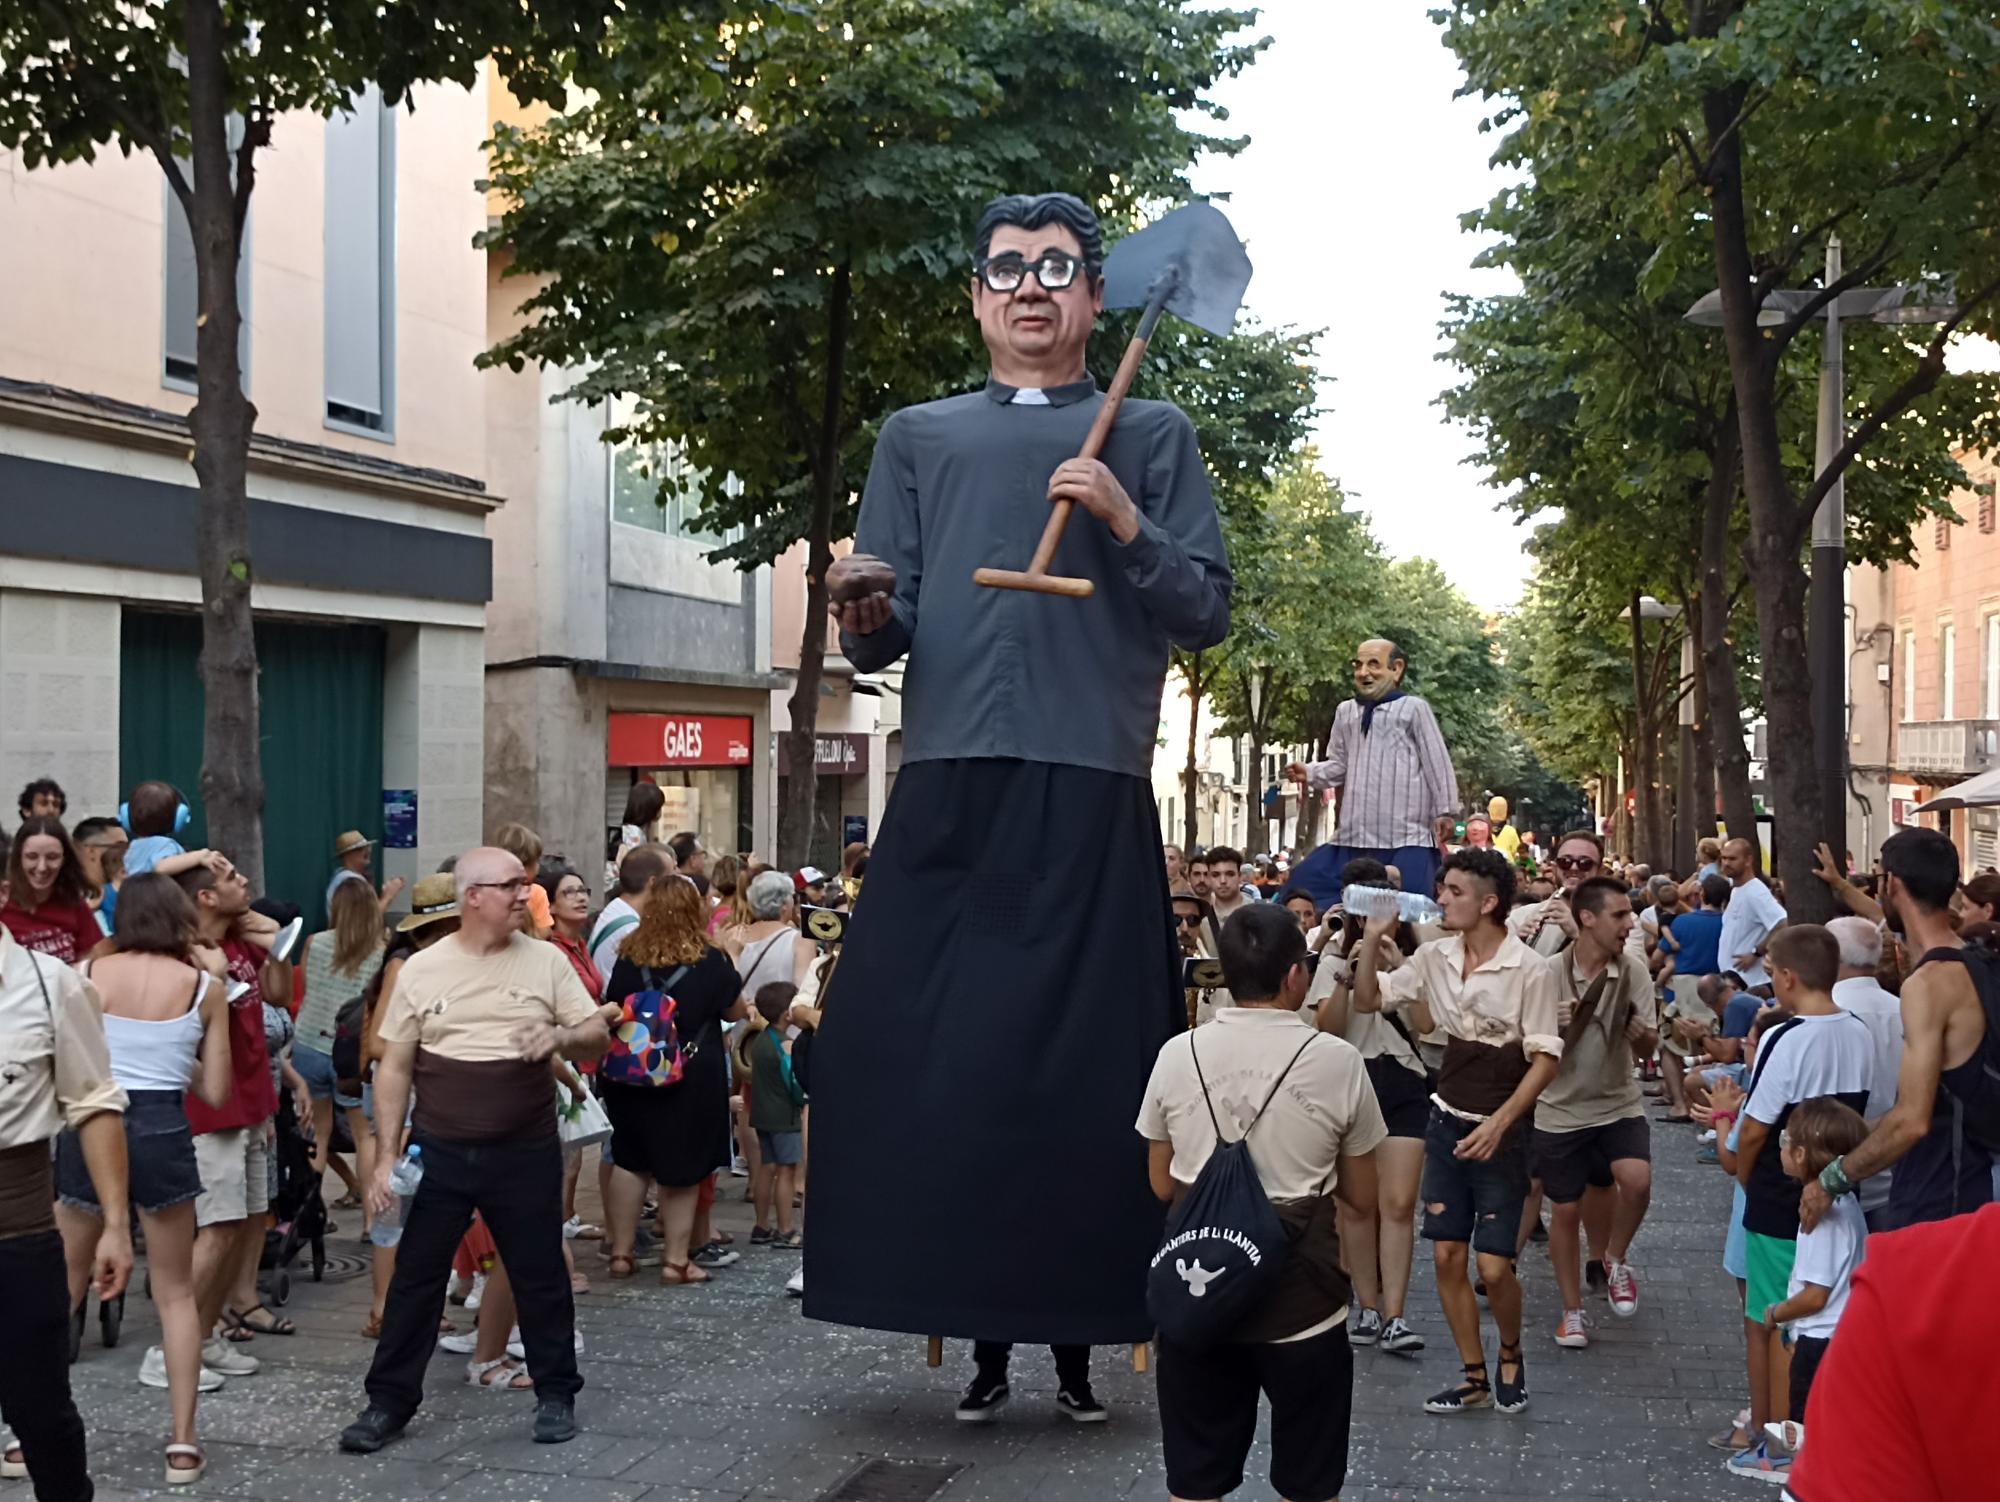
point(1033, 211)
point(196, 880)
point(1488, 865)
point(94, 825)
point(684, 845)
point(774, 999)
point(1259, 946)
point(1809, 951)
point(642, 866)
point(860, 868)
point(1767, 1018)
point(151, 809)
point(70, 886)
point(643, 803)
point(1926, 863)
point(1825, 1128)
point(1364, 871)
point(553, 874)
point(1591, 835)
point(39, 786)
point(155, 916)
point(1590, 896)
point(1715, 891)
point(1224, 855)
point(1291, 892)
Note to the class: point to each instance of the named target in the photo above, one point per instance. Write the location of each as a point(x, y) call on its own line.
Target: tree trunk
point(1720, 711)
point(795, 809)
point(1644, 764)
point(1191, 773)
point(1699, 815)
point(1777, 580)
point(1306, 837)
point(232, 777)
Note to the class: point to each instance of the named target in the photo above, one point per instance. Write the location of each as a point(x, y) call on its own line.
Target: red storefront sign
point(679, 740)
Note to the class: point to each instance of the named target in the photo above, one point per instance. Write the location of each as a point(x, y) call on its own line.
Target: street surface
point(725, 1393)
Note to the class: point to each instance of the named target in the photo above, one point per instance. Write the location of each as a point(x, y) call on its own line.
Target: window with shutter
point(1986, 507)
point(360, 241)
point(1943, 534)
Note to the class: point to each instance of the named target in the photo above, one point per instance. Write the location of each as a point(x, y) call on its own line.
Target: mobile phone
point(823, 925)
point(1199, 970)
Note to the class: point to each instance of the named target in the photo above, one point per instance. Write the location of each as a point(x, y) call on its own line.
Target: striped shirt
point(1398, 777)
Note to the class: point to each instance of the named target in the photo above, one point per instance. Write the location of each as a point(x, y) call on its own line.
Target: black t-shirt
point(709, 989)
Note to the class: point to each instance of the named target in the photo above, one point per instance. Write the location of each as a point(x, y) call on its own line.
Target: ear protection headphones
point(182, 816)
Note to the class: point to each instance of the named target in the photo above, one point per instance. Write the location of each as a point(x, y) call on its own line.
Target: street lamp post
point(1253, 689)
point(1826, 626)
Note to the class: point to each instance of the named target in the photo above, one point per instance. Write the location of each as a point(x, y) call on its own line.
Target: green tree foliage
point(757, 226)
point(198, 84)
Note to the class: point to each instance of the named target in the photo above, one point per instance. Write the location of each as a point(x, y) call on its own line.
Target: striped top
point(327, 992)
point(1398, 777)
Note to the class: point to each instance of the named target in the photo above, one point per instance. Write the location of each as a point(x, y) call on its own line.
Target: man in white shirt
point(1859, 992)
point(644, 865)
point(1752, 916)
point(1317, 1125)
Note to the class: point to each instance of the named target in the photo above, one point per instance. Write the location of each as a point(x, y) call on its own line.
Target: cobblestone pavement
point(725, 1393)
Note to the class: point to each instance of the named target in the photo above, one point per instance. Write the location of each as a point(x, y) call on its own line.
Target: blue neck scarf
point(1369, 706)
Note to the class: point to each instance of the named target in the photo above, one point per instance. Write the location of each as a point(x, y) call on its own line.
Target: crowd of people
point(453, 1068)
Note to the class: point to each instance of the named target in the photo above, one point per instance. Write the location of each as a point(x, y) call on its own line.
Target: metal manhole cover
point(885, 1480)
point(341, 1267)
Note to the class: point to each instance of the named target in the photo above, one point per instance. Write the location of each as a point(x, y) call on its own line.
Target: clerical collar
point(1048, 396)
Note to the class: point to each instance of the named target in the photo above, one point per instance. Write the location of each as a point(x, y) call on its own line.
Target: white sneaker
point(473, 1299)
point(459, 1345)
point(795, 1285)
point(218, 1355)
point(520, 1352)
point(153, 1373)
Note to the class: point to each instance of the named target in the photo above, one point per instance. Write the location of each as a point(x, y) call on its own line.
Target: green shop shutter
point(320, 692)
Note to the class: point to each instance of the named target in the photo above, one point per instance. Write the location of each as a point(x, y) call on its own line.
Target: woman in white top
point(166, 1019)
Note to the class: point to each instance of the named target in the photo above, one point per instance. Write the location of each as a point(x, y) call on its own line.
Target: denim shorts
point(316, 1069)
point(781, 1149)
point(1471, 1201)
point(159, 1154)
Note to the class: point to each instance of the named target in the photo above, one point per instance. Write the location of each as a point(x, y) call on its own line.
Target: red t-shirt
point(1902, 1403)
point(252, 1097)
point(66, 930)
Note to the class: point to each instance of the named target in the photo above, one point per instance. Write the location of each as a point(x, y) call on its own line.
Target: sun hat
point(350, 842)
point(434, 899)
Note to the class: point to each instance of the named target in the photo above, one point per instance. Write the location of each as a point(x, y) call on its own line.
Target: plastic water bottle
point(403, 1181)
point(1380, 902)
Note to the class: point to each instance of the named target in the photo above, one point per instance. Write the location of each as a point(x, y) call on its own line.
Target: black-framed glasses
point(1006, 272)
point(519, 884)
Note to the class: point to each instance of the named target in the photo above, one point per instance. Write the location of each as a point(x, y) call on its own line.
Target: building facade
point(364, 307)
point(1924, 676)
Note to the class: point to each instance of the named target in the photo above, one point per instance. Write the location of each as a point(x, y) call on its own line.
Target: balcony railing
point(1955, 748)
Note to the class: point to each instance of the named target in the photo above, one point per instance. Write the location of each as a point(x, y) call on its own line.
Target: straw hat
point(434, 899)
point(350, 842)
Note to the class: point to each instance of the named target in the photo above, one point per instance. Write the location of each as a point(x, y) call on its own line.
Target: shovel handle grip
point(1093, 445)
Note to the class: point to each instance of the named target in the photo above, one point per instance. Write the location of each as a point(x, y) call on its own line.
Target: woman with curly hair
point(675, 1135)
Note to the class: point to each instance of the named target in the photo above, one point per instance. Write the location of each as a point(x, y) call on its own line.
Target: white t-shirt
point(1820, 1054)
point(1882, 1014)
point(603, 943)
point(1827, 1256)
point(1746, 923)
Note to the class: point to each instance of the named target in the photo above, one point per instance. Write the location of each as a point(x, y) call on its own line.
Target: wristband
point(1834, 1180)
point(1717, 1116)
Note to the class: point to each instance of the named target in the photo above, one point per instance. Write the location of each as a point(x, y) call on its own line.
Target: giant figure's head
point(1378, 667)
point(1037, 286)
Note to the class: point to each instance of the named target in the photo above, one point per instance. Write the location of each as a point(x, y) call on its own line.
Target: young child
point(774, 1114)
point(1818, 1132)
point(156, 813)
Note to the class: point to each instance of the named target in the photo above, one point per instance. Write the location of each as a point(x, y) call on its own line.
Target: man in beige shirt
point(55, 1073)
point(1592, 1144)
point(1497, 1005)
point(474, 1021)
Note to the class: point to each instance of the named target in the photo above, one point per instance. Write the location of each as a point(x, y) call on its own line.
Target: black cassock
point(1010, 972)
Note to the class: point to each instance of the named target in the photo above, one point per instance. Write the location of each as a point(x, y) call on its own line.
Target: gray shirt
point(1397, 774)
point(962, 484)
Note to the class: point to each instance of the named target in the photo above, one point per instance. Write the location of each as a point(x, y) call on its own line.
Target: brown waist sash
point(27, 1190)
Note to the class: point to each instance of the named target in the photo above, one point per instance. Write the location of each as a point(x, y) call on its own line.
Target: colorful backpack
point(646, 1048)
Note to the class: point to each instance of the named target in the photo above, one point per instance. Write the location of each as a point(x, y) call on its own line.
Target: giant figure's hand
point(858, 590)
point(1091, 485)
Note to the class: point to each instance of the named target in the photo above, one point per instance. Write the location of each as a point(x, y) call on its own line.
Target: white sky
point(1348, 197)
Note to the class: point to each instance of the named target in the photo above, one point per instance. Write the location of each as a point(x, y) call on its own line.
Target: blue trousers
point(1319, 873)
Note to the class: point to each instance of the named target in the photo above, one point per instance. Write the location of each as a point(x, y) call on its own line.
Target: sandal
point(623, 1264)
point(681, 1275)
point(236, 1334)
point(274, 1324)
point(185, 1475)
point(791, 1241)
point(1512, 1397)
point(1474, 1392)
point(13, 1462)
point(348, 1201)
point(502, 1374)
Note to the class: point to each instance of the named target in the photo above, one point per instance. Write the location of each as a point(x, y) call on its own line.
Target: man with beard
point(1012, 1025)
point(1398, 793)
point(1942, 1133)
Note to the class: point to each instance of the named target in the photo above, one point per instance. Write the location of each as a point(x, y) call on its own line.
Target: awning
point(1982, 791)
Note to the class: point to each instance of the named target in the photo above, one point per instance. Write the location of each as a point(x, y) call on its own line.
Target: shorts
point(1478, 1203)
point(1735, 1254)
point(1403, 1094)
point(1768, 1263)
point(159, 1157)
point(235, 1175)
point(781, 1149)
point(316, 1069)
point(1567, 1162)
point(1208, 1414)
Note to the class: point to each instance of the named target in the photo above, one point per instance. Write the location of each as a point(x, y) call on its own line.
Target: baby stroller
point(297, 1210)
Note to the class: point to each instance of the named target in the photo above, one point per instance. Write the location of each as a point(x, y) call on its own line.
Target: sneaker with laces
point(1622, 1288)
point(983, 1399)
point(219, 1355)
point(1570, 1332)
point(153, 1372)
point(1364, 1328)
point(369, 1433)
point(1081, 1406)
point(461, 1344)
point(555, 1421)
point(1400, 1338)
point(715, 1254)
point(1759, 1464)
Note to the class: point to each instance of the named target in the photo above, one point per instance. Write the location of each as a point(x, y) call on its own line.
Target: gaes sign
point(679, 740)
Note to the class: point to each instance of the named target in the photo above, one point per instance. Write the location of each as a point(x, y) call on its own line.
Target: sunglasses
point(1189, 920)
point(1576, 863)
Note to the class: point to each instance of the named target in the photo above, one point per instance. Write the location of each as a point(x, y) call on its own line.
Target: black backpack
point(1224, 1245)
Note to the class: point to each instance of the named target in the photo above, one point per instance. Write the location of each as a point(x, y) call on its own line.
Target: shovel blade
point(1195, 246)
